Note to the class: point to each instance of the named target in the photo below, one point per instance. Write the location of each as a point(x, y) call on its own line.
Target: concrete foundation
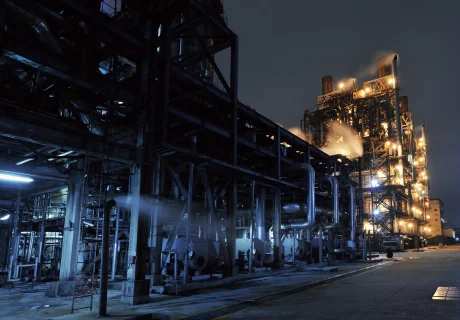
point(59, 289)
point(135, 292)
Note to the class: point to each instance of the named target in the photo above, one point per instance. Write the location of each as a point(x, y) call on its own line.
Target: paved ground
point(389, 290)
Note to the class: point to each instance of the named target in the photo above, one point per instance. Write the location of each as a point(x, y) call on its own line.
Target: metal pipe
point(260, 214)
point(311, 206)
point(351, 189)
point(189, 215)
point(104, 285)
point(251, 226)
point(115, 244)
point(320, 245)
point(398, 114)
point(277, 229)
point(335, 198)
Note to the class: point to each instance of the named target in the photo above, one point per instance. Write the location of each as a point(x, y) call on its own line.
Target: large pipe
point(335, 198)
point(260, 214)
point(311, 206)
point(398, 115)
point(104, 285)
point(351, 189)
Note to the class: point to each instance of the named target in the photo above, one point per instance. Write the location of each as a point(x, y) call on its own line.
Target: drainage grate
point(447, 293)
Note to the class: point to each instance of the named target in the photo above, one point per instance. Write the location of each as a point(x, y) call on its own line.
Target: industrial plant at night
point(374, 125)
point(132, 174)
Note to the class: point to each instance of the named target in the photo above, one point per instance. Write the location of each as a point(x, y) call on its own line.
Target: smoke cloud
point(299, 133)
point(343, 140)
point(370, 70)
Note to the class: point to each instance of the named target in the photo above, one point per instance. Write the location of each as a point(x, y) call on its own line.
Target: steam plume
point(371, 69)
point(343, 140)
point(299, 133)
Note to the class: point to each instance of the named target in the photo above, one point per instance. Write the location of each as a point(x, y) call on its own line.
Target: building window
point(435, 209)
point(435, 219)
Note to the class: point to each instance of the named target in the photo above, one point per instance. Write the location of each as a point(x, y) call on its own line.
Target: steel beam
point(54, 136)
point(102, 22)
point(34, 57)
point(34, 171)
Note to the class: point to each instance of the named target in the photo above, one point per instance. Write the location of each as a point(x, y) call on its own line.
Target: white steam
point(299, 133)
point(343, 140)
point(371, 69)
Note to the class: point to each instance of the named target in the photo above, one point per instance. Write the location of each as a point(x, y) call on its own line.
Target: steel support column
point(14, 243)
point(70, 239)
point(105, 261)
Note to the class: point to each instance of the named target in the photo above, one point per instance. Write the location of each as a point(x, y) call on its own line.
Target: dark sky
point(287, 46)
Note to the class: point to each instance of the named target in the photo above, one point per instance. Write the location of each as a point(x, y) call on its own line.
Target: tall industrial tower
point(393, 164)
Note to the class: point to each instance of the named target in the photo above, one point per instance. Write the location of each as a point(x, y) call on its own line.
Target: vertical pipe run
point(251, 227)
point(320, 251)
point(335, 198)
point(260, 214)
point(351, 189)
point(115, 243)
point(398, 115)
point(277, 229)
point(104, 284)
point(189, 215)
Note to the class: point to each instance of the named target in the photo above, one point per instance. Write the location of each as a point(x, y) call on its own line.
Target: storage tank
point(328, 84)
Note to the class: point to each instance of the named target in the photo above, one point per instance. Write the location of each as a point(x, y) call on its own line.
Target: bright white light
point(24, 161)
point(341, 85)
point(88, 223)
point(374, 183)
point(5, 217)
point(376, 211)
point(14, 178)
point(65, 154)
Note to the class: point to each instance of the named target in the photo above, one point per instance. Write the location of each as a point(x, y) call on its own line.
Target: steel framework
point(394, 176)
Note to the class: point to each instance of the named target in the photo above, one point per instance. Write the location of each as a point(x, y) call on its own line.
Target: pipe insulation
point(351, 190)
point(335, 198)
point(311, 206)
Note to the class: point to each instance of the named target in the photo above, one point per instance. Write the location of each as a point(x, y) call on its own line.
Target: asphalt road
point(401, 290)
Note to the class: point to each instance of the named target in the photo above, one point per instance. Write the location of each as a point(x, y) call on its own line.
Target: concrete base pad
point(59, 289)
point(135, 292)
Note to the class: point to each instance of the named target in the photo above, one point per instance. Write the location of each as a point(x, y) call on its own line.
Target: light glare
point(14, 178)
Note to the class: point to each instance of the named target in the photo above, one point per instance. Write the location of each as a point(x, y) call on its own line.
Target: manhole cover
point(447, 293)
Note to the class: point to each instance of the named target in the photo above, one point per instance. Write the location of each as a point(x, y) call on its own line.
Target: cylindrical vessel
point(384, 66)
point(328, 84)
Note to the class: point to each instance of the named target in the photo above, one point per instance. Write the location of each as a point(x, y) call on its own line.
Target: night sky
point(286, 47)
